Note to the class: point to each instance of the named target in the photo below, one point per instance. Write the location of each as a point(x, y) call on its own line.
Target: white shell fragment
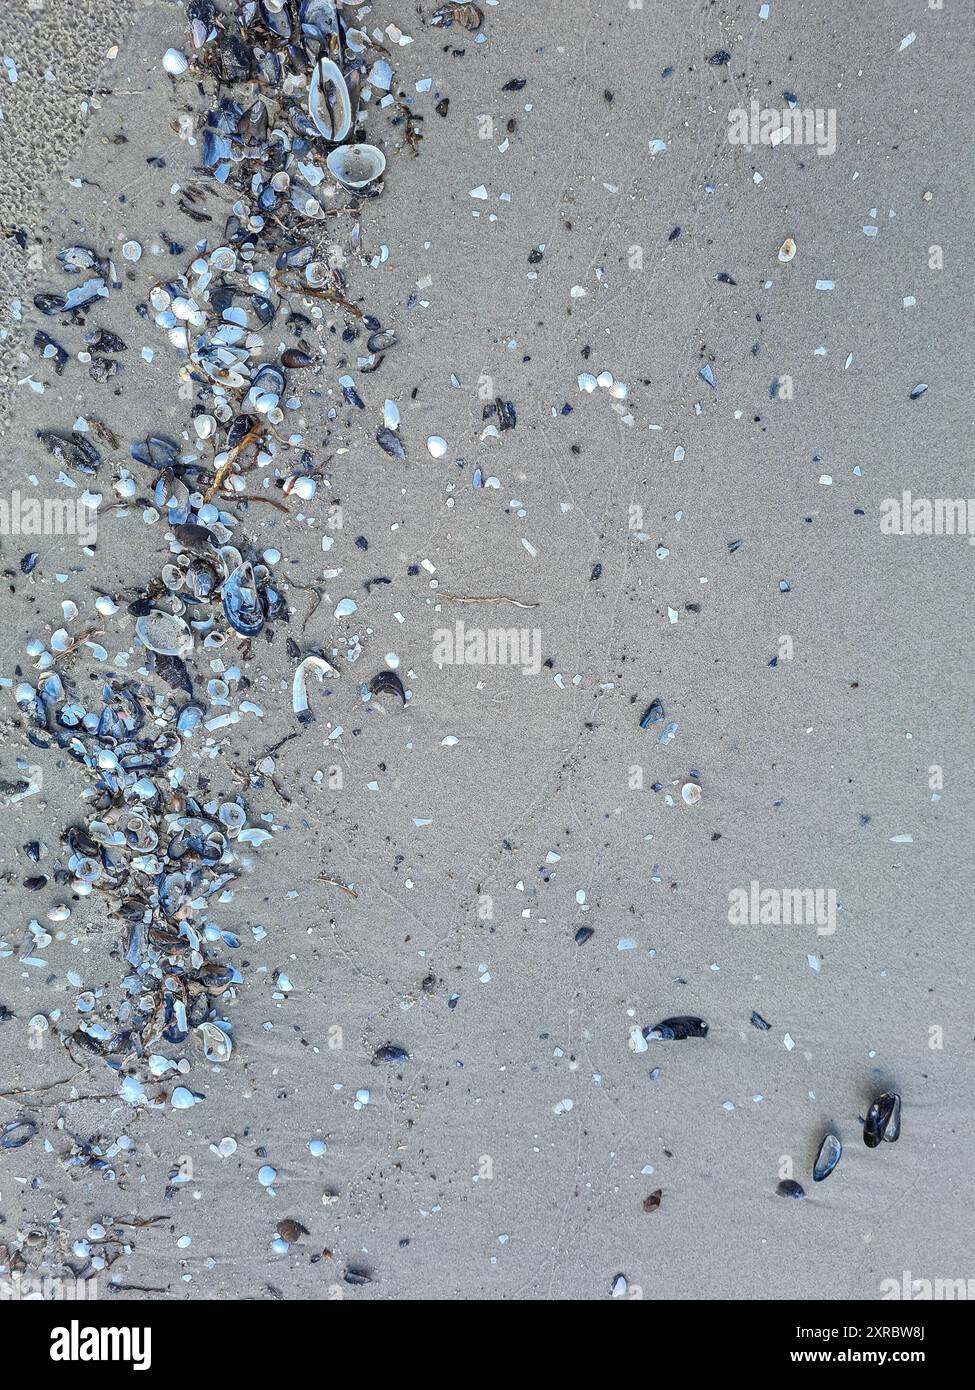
point(436, 447)
point(312, 665)
point(217, 1045)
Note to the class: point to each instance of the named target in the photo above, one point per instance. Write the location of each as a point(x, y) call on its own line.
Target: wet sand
point(467, 1176)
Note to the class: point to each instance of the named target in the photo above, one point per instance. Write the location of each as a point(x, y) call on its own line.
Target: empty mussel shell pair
point(16, 1133)
point(883, 1122)
point(242, 601)
point(356, 166)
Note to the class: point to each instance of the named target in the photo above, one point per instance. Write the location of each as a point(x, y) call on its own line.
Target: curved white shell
point(356, 166)
point(217, 1045)
point(332, 118)
point(299, 686)
point(164, 633)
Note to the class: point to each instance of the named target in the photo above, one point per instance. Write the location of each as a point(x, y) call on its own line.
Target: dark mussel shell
point(102, 340)
point(320, 23)
point(239, 430)
point(59, 355)
point(390, 443)
point(242, 601)
point(883, 1122)
point(157, 451)
point(382, 340)
point(676, 1029)
point(16, 1133)
point(294, 357)
point(192, 536)
point(268, 70)
point(215, 978)
point(264, 308)
point(387, 683)
point(390, 1053)
point(296, 258)
point(788, 1188)
point(173, 671)
point(253, 125)
point(278, 22)
point(830, 1152)
point(653, 715)
point(81, 297)
point(234, 59)
point(71, 450)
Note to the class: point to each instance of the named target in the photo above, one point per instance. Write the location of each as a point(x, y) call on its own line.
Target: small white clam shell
point(356, 166)
point(164, 633)
point(175, 62)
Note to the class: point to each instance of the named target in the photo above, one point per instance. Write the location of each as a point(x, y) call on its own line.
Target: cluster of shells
point(158, 854)
point(154, 853)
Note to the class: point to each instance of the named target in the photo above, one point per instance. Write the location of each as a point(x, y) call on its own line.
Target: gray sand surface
point(811, 770)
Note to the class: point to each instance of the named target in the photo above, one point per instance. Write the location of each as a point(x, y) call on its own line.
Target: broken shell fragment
point(312, 665)
point(787, 250)
point(788, 1188)
point(830, 1152)
point(386, 692)
point(164, 633)
point(468, 16)
point(356, 166)
point(329, 102)
point(217, 1045)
